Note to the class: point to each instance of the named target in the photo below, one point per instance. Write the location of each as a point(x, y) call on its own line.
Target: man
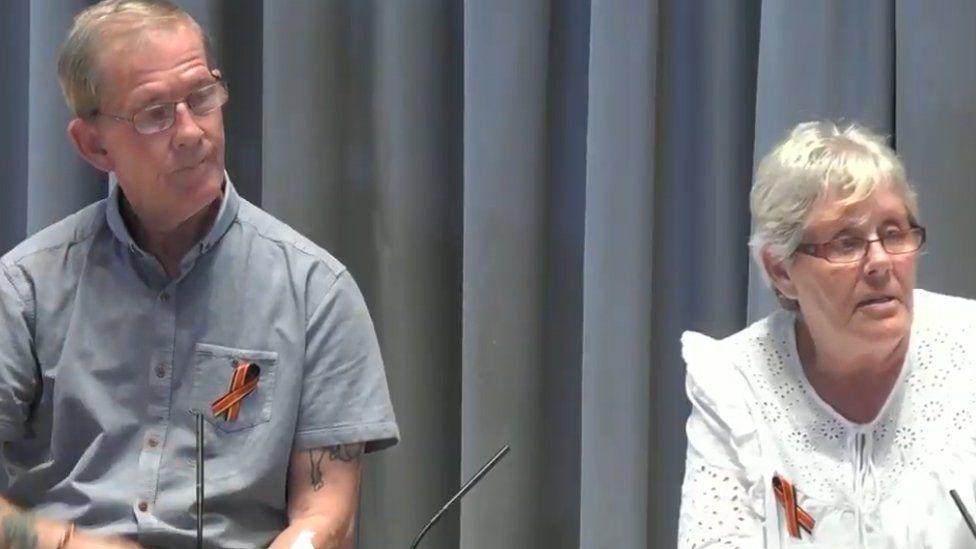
point(176, 295)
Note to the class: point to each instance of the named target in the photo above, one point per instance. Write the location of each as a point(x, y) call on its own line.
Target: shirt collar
point(229, 205)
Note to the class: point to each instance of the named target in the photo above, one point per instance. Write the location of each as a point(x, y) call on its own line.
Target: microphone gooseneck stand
point(464, 490)
point(965, 512)
point(199, 480)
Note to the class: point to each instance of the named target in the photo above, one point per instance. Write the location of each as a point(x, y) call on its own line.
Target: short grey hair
point(820, 158)
point(78, 69)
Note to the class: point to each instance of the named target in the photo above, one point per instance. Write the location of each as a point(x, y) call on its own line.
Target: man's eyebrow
point(156, 97)
point(149, 100)
point(147, 97)
point(203, 80)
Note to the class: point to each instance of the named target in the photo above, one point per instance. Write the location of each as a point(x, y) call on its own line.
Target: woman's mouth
point(876, 300)
point(880, 306)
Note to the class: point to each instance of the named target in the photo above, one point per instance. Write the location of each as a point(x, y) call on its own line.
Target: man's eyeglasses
point(848, 249)
point(161, 116)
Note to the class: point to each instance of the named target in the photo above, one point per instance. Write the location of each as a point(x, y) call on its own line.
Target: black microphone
point(464, 490)
point(965, 513)
point(199, 480)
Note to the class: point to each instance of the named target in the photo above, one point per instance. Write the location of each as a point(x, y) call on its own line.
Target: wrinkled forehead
point(132, 54)
point(833, 207)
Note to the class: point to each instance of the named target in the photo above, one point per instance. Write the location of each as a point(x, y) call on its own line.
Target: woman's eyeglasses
point(848, 249)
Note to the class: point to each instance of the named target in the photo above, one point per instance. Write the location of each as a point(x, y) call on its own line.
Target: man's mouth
point(875, 300)
point(188, 167)
point(191, 165)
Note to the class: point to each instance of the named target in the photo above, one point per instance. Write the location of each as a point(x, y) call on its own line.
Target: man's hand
point(323, 493)
point(20, 529)
point(84, 540)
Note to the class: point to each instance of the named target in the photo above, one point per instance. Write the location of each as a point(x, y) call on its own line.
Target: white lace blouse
point(883, 484)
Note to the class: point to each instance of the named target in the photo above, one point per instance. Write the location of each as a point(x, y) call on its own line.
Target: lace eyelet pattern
point(927, 410)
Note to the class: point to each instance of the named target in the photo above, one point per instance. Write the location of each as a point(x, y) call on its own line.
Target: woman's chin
point(874, 331)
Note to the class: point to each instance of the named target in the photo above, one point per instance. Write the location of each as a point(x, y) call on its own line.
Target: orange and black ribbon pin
point(796, 517)
point(242, 383)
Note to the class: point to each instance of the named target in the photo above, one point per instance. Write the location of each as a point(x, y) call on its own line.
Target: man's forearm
point(318, 532)
point(323, 494)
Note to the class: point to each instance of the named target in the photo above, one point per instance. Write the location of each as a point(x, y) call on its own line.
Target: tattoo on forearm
point(18, 531)
point(342, 452)
point(315, 465)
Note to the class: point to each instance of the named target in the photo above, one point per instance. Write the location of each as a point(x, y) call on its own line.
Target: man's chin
point(203, 209)
point(200, 182)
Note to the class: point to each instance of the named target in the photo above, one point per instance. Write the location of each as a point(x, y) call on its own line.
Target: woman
point(843, 419)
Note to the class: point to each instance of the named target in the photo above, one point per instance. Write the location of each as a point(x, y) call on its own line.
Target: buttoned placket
point(162, 300)
point(159, 376)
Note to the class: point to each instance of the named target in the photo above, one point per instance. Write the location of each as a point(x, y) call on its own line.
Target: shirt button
point(164, 297)
point(153, 442)
point(161, 371)
point(143, 506)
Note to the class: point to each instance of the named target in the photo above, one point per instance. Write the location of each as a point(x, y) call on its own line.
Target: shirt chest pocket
point(233, 388)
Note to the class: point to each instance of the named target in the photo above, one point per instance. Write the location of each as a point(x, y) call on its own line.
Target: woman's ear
point(779, 275)
point(87, 140)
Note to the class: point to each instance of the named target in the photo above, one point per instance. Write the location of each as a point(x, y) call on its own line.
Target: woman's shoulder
point(766, 337)
point(709, 370)
point(929, 299)
point(944, 348)
point(726, 368)
point(944, 312)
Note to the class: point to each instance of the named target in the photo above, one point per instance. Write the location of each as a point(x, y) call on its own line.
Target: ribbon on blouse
point(242, 383)
point(796, 517)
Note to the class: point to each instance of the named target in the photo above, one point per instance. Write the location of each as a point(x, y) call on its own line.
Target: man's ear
point(779, 275)
point(88, 142)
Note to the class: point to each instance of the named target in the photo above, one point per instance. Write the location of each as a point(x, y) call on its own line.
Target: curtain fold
point(416, 283)
point(705, 103)
point(616, 437)
point(14, 132)
point(506, 64)
point(58, 181)
point(537, 198)
point(934, 114)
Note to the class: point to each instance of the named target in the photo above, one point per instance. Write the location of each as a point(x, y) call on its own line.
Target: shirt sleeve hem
point(376, 436)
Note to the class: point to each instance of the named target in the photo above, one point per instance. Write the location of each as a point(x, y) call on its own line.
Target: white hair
point(817, 159)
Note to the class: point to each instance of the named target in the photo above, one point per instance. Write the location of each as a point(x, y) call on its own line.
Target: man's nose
point(188, 132)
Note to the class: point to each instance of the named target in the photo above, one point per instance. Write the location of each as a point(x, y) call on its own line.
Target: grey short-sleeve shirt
point(103, 357)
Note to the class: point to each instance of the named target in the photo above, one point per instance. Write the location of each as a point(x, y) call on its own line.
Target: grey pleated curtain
point(537, 197)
